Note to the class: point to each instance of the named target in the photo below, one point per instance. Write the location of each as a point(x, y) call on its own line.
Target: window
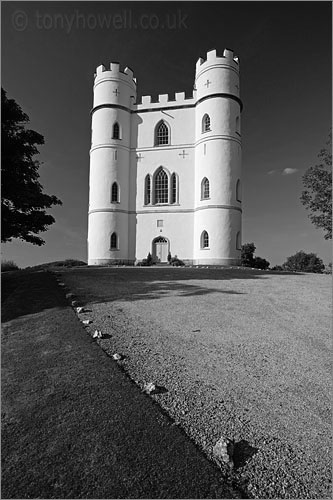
point(116, 131)
point(238, 241)
point(114, 241)
point(206, 123)
point(237, 125)
point(114, 193)
point(238, 191)
point(161, 187)
point(162, 134)
point(204, 240)
point(160, 223)
point(173, 188)
point(205, 189)
point(147, 190)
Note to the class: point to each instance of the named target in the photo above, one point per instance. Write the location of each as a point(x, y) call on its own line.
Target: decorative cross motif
point(139, 157)
point(208, 83)
point(183, 154)
point(237, 87)
point(116, 91)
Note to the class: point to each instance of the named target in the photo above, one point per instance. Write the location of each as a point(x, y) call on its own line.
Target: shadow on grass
point(29, 292)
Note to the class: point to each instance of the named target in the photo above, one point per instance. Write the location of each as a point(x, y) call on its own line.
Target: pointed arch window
point(174, 190)
point(147, 190)
point(238, 241)
point(205, 189)
point(204, 243)
point(161, 193)
point(116, 131)
point(238, 190)
point(162, 134)
point(206, 123)
point(114, 193)
point(114, 241)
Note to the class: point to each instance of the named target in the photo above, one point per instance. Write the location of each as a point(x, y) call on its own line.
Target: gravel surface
point(241, 354)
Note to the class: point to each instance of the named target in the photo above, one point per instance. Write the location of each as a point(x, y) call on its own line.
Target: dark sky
point(49, 54)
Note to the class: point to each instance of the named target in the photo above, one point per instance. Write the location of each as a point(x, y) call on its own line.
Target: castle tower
point(217, 198)
point(108, 222)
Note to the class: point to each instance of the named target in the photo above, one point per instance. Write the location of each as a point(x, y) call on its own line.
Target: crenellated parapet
point(166, 101)
point(212, 58)
point(114, 72)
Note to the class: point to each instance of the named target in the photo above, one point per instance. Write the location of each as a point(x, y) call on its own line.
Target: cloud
point(271, 172)
point(289, 171)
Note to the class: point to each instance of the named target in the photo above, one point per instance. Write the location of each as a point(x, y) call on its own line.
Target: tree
point(247, 252)
point(304, 262)
point(260, 263)
point(23, 202)
point(317, 196)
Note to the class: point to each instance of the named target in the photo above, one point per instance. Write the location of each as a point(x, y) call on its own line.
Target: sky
point(50, 51)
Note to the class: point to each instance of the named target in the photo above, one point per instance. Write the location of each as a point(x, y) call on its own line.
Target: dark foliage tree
point(304, 262)
point(23, 202)
point(260, 263)
point(247, 252)
point(317, 196)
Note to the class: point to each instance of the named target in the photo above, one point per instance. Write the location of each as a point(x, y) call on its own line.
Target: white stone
point(87, 321)
point(97, 334)
point(223, 451)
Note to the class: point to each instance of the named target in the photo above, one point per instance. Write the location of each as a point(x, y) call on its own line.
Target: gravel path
point(242, 354)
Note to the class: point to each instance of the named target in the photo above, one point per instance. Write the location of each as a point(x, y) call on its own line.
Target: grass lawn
point(244, 354)
point(73, 423)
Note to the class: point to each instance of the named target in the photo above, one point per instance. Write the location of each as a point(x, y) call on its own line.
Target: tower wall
point(217, 158)
point(114, 94)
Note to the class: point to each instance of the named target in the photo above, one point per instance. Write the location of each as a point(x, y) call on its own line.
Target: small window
point(162, 134)
point(206, 123)
point(160, 223)
point(114, 241)
point(114, 193)
point(173, 188)
point(205, 189)
point(204, 240)
point(238, 241)
point(237, 125)
point(238, 190)
point(116, 131)
point(147, 190)
point(161, 187)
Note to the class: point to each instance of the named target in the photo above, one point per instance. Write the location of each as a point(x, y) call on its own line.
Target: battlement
point(212, 58)
point(166, 100)
point(115, 71)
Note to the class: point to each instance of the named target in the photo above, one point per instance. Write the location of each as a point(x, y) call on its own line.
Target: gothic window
point(173, 188)
point(238, 191)
point(114, 241)
point(114, 193)
point(147, 190)
point(204, 240)
point(238, 241)
point(161, 187)
point(162, 134)
point(116, 131)
point(205, 189)
point(206, 123)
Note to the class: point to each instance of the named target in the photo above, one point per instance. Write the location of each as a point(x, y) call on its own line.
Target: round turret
point(217, 221)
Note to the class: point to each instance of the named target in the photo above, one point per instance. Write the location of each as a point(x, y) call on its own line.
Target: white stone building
point(166, 176)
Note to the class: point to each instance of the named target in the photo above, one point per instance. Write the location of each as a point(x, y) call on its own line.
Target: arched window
point(116, 131)
point(206, 123)
point(238, 190)
point(238, 241)
point(161, 190)
point(114, 193)
point(173, 188)
point(204, 243)
point(162, 134)
point(114, 241)
point(147, 190)
point(238, 125)
point(205, 189)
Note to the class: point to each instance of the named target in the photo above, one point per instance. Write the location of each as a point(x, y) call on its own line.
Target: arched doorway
point(160, 249)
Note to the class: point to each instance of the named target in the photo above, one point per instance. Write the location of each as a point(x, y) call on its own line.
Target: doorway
point(160, 249)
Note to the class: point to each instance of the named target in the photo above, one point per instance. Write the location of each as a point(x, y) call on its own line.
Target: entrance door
point(161, 249)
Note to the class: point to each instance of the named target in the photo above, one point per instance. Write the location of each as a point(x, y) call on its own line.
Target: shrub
point(9, 265)
point(260, 263)
point(176, 262)
point(277, 268)
point(149, 259)
point(247, 252)
point(304, 262)
point(169, 257)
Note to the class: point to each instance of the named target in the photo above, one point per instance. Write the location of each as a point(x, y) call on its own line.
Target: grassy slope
point(73, 424)
point(242, 353)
